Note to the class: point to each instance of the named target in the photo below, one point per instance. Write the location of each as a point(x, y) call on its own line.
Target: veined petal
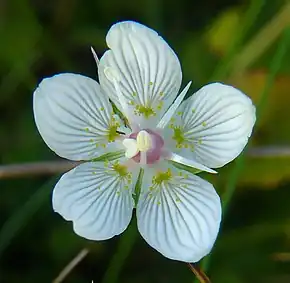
point(178, 214)
point(73, 117)
point(213, 126)
point(146, 68)
point(97, 198)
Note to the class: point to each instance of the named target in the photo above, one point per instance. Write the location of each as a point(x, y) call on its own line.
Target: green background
point(243, 43)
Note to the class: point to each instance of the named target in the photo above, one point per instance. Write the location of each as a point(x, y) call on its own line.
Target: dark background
point(236, 42)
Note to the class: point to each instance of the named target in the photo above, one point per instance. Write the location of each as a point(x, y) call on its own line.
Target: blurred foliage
point(229, 41)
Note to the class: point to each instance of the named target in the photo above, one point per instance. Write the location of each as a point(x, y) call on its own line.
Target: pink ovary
point(153, 154)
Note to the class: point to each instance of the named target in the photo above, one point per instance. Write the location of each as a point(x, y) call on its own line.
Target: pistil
point(144, 147)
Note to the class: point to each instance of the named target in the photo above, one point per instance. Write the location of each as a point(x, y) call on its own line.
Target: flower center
point(144, 146)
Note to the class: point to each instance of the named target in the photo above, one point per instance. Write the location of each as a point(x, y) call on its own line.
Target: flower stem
point(118, 260)
point(125, 245)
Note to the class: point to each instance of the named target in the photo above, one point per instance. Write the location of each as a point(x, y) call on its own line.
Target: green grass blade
point(234, 176)
point(248, 20)
point(18, 220)
point(118, 260)
point(261, 42)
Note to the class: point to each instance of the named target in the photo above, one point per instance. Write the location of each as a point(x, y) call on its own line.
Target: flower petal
point(146, 68)
point(97, 198)
point(178, 214)
point(213, 126)
point(73, 116)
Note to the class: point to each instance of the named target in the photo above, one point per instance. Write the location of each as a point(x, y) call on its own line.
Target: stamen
point(131, 147)
point(95, 56)
point(189, 162)
point(121, 98)
point(113, 76)
point(144, 142)
point(170, 112)
point(143, 157)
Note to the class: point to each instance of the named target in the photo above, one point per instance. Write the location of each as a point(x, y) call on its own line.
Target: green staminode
point(120, 169)
point(161, 177)
point(178, 136)
point(147, 111)
point(112, 133)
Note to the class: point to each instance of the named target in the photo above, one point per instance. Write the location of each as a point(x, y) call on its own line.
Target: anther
point(144, 142)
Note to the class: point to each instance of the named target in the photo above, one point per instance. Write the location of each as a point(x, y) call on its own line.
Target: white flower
point(178, 213)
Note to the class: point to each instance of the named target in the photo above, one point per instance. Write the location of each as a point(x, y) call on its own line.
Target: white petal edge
point(149, 71)
point(180, 218)
point(216, 122)
point(95, 199)
point(73, 116)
